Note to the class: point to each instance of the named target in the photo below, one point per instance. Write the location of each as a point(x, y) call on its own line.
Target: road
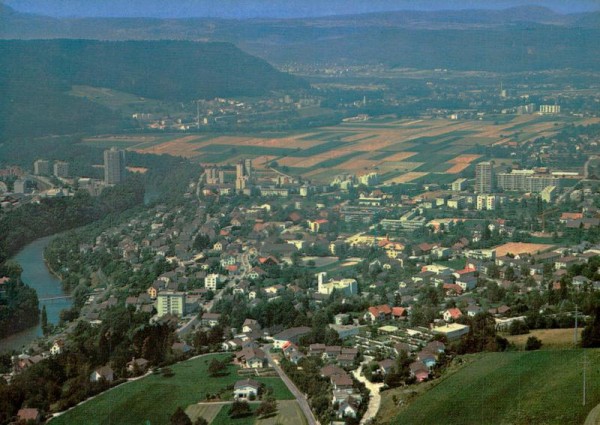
point(374, 399)
point(310, 417)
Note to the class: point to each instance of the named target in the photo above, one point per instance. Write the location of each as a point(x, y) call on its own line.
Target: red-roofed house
point(566, 216)
point(399, 312)
point(318, 225)
point(380, 312)
point(452, 314)
point(29, 414)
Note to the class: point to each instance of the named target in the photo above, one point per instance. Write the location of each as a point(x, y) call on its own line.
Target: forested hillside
point(36, 74)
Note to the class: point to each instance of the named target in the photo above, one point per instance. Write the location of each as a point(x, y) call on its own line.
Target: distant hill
point(36, 74)
point(516, 39)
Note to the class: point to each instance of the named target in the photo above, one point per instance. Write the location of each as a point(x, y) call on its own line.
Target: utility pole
point(575, 334)
point(584, 367)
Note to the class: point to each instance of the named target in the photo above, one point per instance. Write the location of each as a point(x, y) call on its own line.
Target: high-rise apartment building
point(114, 166)
point(526, 181)
point(41, 167)
point(61, 169)
point(170, 302)
point(243, 174)
point(484, 177)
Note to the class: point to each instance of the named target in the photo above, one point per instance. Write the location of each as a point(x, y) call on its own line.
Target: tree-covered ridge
point(165, 70)
point(35, 76)
point(53, 215)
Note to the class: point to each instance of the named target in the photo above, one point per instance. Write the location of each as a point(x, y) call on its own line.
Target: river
point(37, 275)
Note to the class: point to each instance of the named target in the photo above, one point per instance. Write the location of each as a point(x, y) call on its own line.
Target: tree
point(239, 409)
point(533, 343)
point(591, 333)
point(45, 328)
point(180, 418)
point(216, 368)
point(267, 407)
point(201, 421)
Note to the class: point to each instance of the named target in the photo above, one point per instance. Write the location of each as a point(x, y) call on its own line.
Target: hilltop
point(36, 74)
point(511, 40)
point(517, 387)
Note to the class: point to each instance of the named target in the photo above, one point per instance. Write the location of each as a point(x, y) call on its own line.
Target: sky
point(241, 9)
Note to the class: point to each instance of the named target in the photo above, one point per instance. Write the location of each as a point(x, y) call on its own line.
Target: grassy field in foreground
point(539, 387)
point(288, 413)
point(551, 338)
point(156, 397)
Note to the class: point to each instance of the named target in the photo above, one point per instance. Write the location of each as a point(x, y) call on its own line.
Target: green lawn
point(540, 387)
point(156, 397)
point(223, 417)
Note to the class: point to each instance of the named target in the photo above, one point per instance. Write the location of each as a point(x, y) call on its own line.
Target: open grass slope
point(541, 387)
point(156, 397)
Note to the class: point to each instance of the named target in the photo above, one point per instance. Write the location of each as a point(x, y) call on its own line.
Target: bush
point(518, 328)
point(533, 343)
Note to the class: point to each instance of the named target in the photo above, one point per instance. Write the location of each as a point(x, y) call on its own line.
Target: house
point(401, 346)
point(250, 325)
point(342, 382)
point(318, 225)
point(399, 313)
point(246, 389)
point(435, 347)
point(452, 289)
point(292, 353)
point(380, 312)
point(427, 358)
point(473, 310)
point(251, 358)
point(419, 371)
point(316, 349)
point(385, 366)
point(104, 373)
point(580, 281)
point(137, 365)
point(211, 319)
point(451, 314)
point(57, 347)
point(292, 335)
point(331, 352)
point(29, 415)
point(345, 359)
point(347, 408)
point(331, 370)
point(181, 347)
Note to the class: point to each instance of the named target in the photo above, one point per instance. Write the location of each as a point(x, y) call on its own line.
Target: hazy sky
point(270, 8)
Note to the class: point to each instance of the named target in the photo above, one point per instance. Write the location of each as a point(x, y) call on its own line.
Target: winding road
point(302, 402)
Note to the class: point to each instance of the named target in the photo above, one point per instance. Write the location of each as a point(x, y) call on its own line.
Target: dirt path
point(374, 399)
point(593, 418)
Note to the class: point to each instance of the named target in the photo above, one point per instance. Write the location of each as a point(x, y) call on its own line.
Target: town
point(345, 214)
point(363, 285)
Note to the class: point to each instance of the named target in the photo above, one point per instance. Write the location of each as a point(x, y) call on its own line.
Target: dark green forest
point(19, 307)
point(35, 76)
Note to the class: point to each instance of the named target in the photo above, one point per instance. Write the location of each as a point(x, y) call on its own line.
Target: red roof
point(453, 286)
point(380, 309)
point(467, 270)
point(455, 313)
point(398, 311)
point(571, 216)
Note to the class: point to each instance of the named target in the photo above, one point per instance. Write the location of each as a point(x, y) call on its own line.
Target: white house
point(102, 373)
point(246, 389)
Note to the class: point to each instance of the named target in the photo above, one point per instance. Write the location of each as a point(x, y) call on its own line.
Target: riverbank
point(48, 286)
